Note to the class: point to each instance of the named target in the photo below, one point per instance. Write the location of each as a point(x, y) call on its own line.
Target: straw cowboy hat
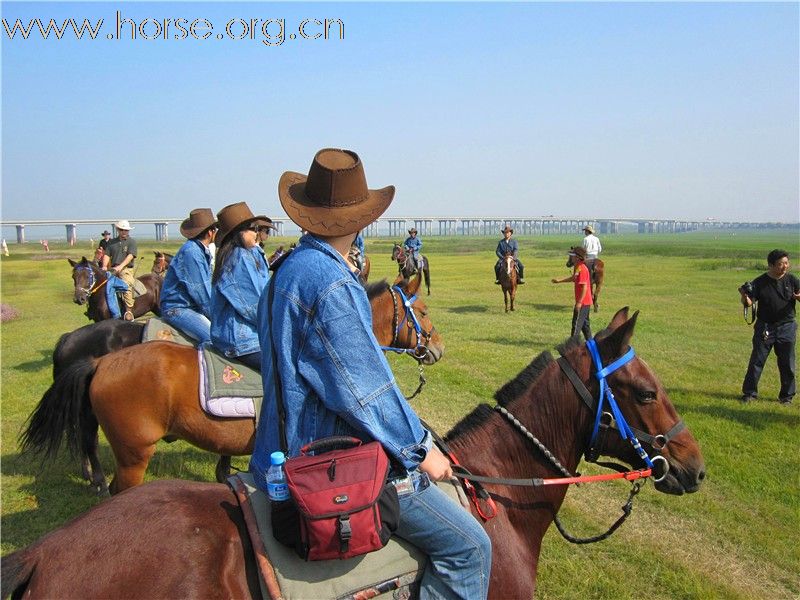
point(232, 217)
point(578, 251)
point(333, 199)
point(589, 228)
point(507, 228)
point(123, 224)
point(199, 220)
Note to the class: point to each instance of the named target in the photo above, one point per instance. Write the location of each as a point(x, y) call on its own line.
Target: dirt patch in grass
point(8, 313)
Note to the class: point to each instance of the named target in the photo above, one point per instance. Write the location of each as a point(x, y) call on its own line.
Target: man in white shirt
point(591, 243)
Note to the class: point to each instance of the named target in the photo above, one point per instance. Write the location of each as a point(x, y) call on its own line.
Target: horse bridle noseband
point(89, 290)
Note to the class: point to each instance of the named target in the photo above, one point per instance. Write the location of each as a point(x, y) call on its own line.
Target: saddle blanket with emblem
point(389, 571)
point(157, 330)
point(228, 388)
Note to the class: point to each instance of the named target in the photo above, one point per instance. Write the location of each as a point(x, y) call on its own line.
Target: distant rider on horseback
point(591, 243)
point(413, 245)
point(507, 246)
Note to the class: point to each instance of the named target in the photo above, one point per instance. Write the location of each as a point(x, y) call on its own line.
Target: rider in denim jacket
point(336, 380)
point(240, 275)
point(186, 293)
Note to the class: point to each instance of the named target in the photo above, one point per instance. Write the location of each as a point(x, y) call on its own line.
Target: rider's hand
point(436, 465)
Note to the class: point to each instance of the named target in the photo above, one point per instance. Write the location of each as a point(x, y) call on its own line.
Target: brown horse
point(144, 393)
point(407, 266)
point(597, 278)
point(184, 539)
point(161, 263)
point(508, 279)
point(90, 281)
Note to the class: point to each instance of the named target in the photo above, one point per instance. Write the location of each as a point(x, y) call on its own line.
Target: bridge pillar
point(20, 234)
point(72, 233)
point(161, 232)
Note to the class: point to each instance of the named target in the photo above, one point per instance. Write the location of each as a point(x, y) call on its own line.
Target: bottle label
point(277, 492)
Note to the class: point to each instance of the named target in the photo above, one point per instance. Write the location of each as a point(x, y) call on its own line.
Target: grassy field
point(736, 538)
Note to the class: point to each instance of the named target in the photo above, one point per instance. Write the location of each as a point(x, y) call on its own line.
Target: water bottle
point(277, 490)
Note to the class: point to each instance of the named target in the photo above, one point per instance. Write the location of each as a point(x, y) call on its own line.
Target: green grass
point(736, 538)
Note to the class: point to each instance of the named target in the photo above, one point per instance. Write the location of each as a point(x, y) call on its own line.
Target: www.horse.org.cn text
point(270, 32)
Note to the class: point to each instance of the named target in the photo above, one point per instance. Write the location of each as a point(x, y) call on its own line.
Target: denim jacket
point(334, 377)
point(188, 280)
point(504, 247)
point(234, 302)
point(413, 244)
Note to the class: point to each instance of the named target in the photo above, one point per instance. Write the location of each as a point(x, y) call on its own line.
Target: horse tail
point(64, 410)
point(427, 272)
point(16, 570)
point(58, 359)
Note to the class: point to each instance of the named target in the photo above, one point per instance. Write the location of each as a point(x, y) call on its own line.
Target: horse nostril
point(701, 476)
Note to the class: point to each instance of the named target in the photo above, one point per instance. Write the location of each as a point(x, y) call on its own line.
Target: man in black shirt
point(776, 291)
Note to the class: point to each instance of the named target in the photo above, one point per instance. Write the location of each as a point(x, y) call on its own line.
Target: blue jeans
point(114, 285)
point(192, 323)
point(458, 548)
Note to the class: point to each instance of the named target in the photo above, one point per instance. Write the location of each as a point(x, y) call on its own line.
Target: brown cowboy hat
point(333, 199)
point(507, 228)
point(199, 220)
point(232, 217)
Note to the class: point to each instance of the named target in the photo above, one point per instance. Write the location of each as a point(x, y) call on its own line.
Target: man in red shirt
point(583, 293)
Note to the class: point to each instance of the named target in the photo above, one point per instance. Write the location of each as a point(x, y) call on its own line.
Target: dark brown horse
point(407, 266)
point(184, 539)
point(508, 279)
point(144, 393)
point(90, 282)
point(597, 278)
point(161, 263)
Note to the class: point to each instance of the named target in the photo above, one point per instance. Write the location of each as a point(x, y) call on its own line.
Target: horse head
point(84, 277)
point(401, 321)
point(161, 263)
point(510, 263)
point(571, 257)
point(398, 254)
point(644, 404)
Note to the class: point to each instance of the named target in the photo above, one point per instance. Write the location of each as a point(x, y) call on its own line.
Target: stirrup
point(128, 316)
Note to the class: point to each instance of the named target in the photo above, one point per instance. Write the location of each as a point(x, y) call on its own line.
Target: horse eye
point(646, 395)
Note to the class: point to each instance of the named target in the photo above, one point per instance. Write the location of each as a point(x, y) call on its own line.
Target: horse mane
point(513, 389)
point(375, 289)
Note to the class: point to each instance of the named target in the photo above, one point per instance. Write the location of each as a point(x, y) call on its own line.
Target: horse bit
point(604, 420)
point(420, 351)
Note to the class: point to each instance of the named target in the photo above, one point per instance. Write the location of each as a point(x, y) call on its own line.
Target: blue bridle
point(90, 277)
point(606, 396)
point(423, 336)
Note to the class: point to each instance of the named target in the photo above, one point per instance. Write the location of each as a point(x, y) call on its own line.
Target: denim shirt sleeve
point(343, 363)
point(196, 273)
point(241, 283)
point(499, 250)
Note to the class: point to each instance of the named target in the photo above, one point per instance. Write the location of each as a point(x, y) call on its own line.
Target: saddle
point(394, 569)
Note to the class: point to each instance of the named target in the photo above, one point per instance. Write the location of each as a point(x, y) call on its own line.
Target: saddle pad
point(228, 388)
point(395, 566)
point(227, 406)
point(157, 330)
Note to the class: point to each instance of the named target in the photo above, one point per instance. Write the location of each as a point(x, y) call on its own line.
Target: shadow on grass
point(56, 492)
point(565, 308)
point(33, 366)
point(474, 308)
point(744, 415)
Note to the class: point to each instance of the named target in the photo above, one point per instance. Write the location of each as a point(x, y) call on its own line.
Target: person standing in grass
point(776, 291)
point(583, 293)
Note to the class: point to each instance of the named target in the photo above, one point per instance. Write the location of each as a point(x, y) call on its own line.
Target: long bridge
point(437, 226)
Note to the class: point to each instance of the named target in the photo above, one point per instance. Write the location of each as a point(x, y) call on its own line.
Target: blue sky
point(676, 110)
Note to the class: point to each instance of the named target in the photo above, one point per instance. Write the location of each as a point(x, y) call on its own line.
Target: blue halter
point(606, 395)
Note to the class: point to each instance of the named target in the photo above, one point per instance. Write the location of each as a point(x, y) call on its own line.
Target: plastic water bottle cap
point(277, 458)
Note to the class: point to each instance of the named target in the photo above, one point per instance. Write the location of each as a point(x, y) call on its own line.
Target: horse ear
point(620, 339)
point(619, 318)
point(72, 262)
point(414, 284)
point(84, 261)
